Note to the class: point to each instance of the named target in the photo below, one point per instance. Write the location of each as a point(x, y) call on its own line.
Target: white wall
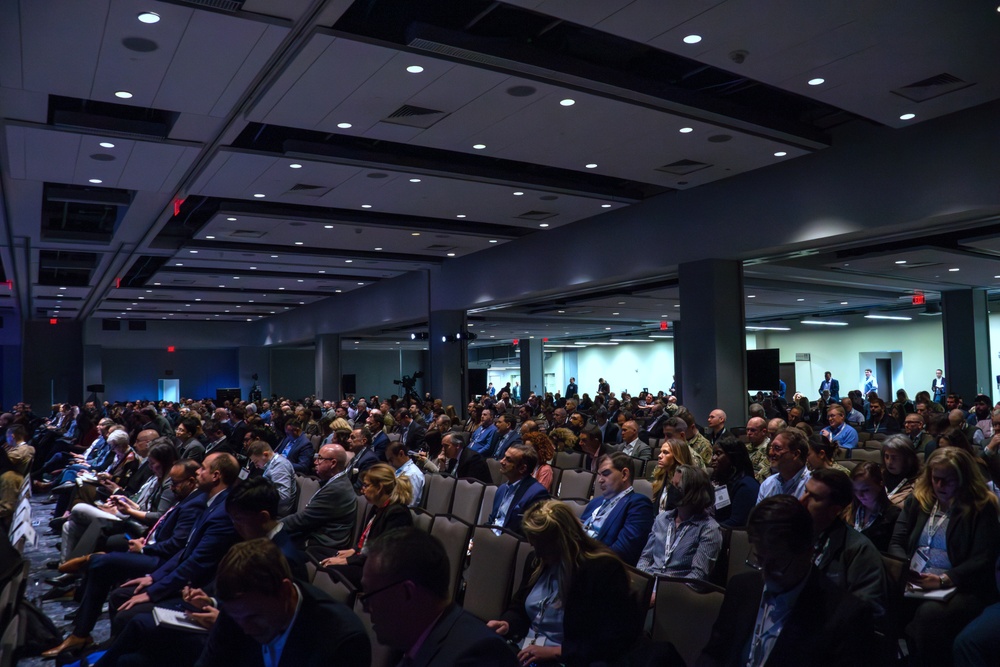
point(847, 351)
point(626, 366)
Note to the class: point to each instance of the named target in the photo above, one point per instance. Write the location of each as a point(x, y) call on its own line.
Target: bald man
point(328, 519)
point(758, 442)
point(716, 425)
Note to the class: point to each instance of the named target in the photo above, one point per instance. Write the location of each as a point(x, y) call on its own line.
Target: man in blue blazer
point(297, 448)
point(380, 441)
point(520, 491)
point(620, 518)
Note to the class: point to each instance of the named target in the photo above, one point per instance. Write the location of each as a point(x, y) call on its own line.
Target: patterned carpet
point(39, 555)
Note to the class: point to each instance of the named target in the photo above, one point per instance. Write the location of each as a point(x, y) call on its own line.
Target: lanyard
point(673, 540)
point(605, 509)
point(932, 527)
point(898, 487)
point(860, 523)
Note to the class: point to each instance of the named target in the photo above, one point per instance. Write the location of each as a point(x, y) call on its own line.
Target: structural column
point(711, 339)
point(966, 329)
point(328, 367)
point(449, 357)
point(532, 372)
point(52, 363)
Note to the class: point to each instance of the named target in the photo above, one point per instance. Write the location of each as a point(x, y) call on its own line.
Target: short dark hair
point(258, 448)
point(394, 449)
point(20, 433)
point(256, 494)
point(782, 521)
point(797, 441)
point(365, 433)
point(737, 452)
point(411, 554)
point(592, 431)
point(163, 452)
point(619, 461)
point(839, 483)
point(529, 456)
point(254, 566)
point(227, 466)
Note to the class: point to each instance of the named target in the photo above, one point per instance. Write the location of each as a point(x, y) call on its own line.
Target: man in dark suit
point(240, 428)
point(609, 429)
point(406, 581)
point(328, 519)
point(459, 461)
point(506, 436)
point(380, 440)
point(619, 517)
point(259, 602)
point(571, 388)
point(412, 434)
point(589, 442)
point(830, 385)
point(792, 614)
point(520, 491)
point(913, 424)
point(297, 448)
point(364, 455)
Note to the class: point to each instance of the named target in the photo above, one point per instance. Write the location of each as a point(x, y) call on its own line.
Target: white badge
point(244, 473)
point(722, 498)
point(536, 640)
point(919, 561)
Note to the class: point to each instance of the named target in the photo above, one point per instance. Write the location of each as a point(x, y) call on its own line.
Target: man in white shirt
point(631, 444)
point(404, 465)
point(787, 455)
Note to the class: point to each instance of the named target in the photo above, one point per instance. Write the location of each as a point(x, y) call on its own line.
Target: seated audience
point(519, 492)
point(572, 580)
point(979, 642)
point(787, 613)
point(673, 453)
point(279, 471)
point(870, 512)
point(458, 460)
point(733, 471)
point(949, 530)
point(327, 520)
point(839, 432)
point(405, 467)
point(631, 444)
point(787, 454)
point(758, 442)
point(407, 578)
point(619, 517)
point(900, 468)
point(546, 452)
point(388, 496)
point(686, 540)
point(821, 454)
point(879, 421)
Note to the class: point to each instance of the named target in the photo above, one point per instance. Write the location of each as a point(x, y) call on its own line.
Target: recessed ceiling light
point(686, 130)
point(780, 154)
point(493, 241)
point(281, 288)
point(344, 126)
point(843, 303)
point(300, 280)
point(106, 144)
point(274, 257)
point(888, 317)
point(378, 248)
point(614, 313)
point(348, 261)
point(200, 300)
point(65, 288)
point(692, 39)
point(605, 205)
point(518, 194)
point(479, 147)
point(366, 206)
point(193, 252)
point(900, 261)
point(800, 299)
point(451, 254)
point(954, 269)
point(259, 195)
point(592, 165)
point(299, 243)
point(460, 215)
point(95, 181)
point(295, 165)
point(751, 296)
point(253, 268)
point(338, 291)
point(231, 219)
point(236, 277)
point(567, 102)
point(149, 17)
point(817, 82)
point(156, 283)
point(123, 94)
point(414, 69)
point(178, 264)
point(361, 283)
point(543, 224)
point(414, 233)
point(825, 323)
point(210, 238)
point(327, 226)
point(414, 180)
point(908, 116)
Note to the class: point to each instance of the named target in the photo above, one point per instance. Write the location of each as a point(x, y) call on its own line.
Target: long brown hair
point(682, 456)
point(551, 522)
point(972, 494)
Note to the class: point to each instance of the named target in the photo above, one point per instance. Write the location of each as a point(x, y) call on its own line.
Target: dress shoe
point(62, 580)
point(41, 486)
point(75, 564)
point(60, 594)
point(71, 643)
point(57, 524)
point(52, 564)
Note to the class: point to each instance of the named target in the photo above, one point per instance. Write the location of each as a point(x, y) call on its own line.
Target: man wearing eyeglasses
point(405, 584)
point(788, 612)
point(758, 442)
point(787, 455)
point(328, 518)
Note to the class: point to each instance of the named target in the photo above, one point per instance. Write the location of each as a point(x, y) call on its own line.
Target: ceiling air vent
point(247, 234)
point(412, 116)
point(222, 5)
point(928, 89)
point(308, 190)
point(440, 247)
point(536, 215)
point(683, 167)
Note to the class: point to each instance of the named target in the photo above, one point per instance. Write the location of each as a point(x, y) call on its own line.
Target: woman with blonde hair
point(563, 439)
point(571, 579)
point(389, 497)
point(673, 453)
point(546, 450)
point(949, 530)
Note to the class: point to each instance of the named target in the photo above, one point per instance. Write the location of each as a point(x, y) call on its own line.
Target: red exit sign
point(918, 299)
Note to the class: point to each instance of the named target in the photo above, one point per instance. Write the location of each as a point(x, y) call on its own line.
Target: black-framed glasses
point(365, 597)
point(754, 561)
point(317, 457)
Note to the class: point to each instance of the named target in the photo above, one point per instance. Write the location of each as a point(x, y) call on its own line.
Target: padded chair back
point(360, 518)
point(650, 468)
point(640, 585)
point(739, 550)
point(495, 473)
point(438, 490)
point(850, 464)
point(689, 631)
point(489, 577)
point(576, 505)
point(337, 588)
point(644, 487)
point(489, 494)
point(866, 455)
point(454, 535)
point(467, 499)
point(421, 519)
point(576, 484)
point(308, 486)
point(520, 563)
point(317, 442)
point(568, 460)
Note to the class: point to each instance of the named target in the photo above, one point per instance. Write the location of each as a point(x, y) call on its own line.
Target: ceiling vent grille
point(536, 215)
point(683, 167)
point(928, 89)
point(222, 5)
point(439, 247)
point(247, 234)
point(308, 190)
point(412, 116)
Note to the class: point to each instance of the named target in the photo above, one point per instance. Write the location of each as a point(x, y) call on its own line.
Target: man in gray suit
point(328, 519)
point(406, 592)
point(631, 444)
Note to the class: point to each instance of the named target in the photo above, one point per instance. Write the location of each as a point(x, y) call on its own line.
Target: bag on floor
point(41, 633)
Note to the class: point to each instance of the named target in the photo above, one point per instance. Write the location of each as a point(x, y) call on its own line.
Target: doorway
point(786, 372)
point(169, 390)
point(883, 373)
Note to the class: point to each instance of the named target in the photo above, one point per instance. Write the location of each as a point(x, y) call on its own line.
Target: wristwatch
point(945, 581)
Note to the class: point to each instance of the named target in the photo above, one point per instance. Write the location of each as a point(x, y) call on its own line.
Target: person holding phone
point(950, 531)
